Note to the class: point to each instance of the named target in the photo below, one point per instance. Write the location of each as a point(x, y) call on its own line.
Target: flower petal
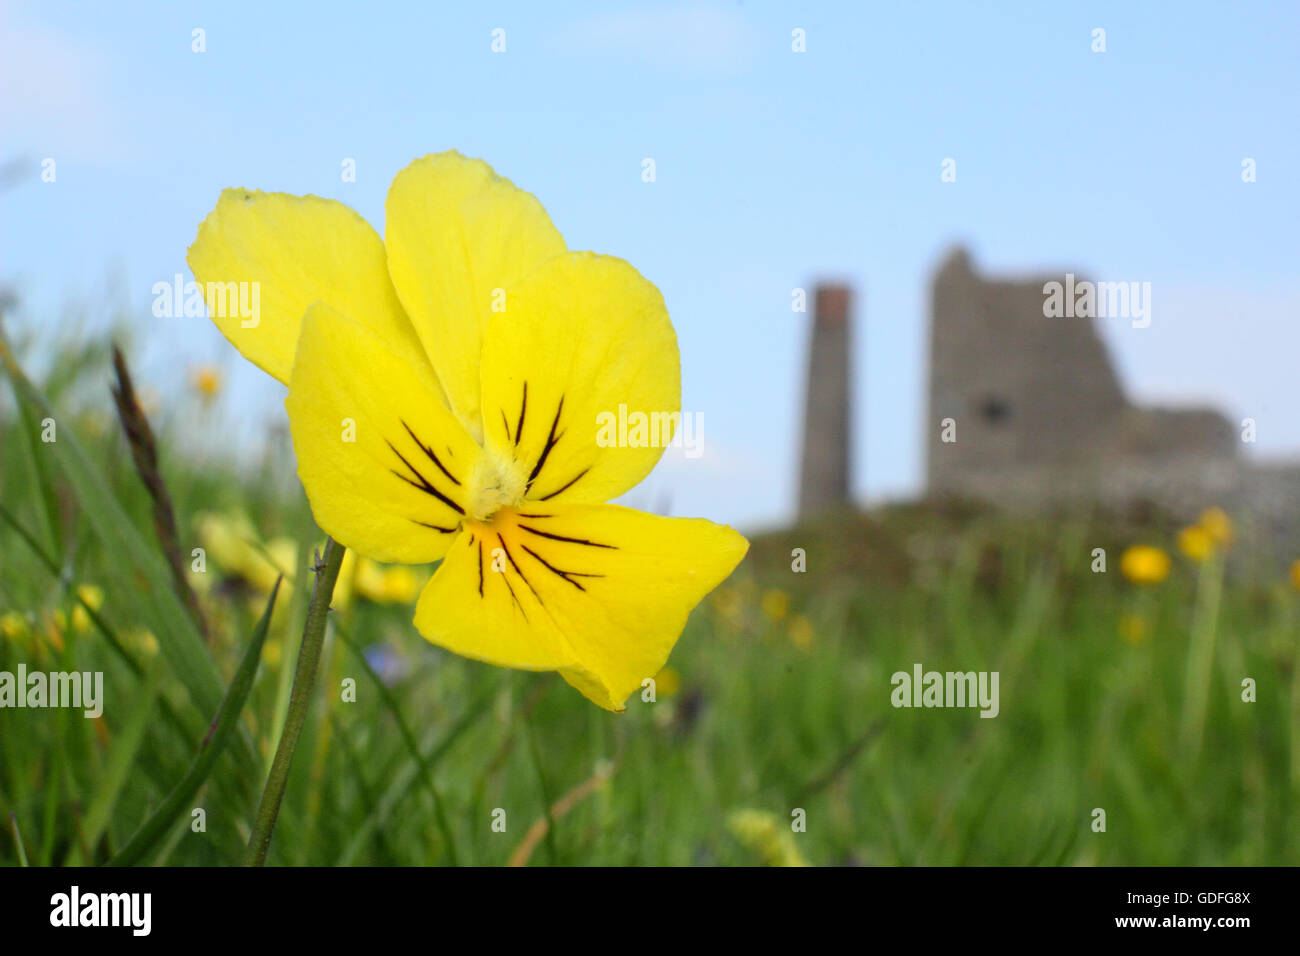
point(385, 464)
point(298, 250)
point(584, 339)
point(457, 232)
point(478, 605)
point(599, 592)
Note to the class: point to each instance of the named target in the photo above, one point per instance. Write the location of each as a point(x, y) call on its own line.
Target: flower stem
point(1200, 657)
point(304, 677)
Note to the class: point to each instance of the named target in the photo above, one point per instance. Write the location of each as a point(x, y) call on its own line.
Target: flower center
point(496, 484)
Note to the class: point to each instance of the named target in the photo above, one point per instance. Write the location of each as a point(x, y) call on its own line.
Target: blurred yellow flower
point(14, 625)
point(93, 595)
point(1133, 628)
point(729, 605)
point(231, 541)
point(1295, 575)
point(391, 584)
point(1196, 543)
point(80, 620)
point(775, 604)
point(1144, 564)
point(667, 682)
point(141, 639)
point(765, 834)
point(280, 557)
point(1217, 525)
point(206, 380)
point(801, 632)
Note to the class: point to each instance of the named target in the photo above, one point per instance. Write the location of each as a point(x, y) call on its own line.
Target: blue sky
point(774, 168)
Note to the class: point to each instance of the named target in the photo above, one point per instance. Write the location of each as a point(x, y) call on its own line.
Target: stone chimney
point(824, 466)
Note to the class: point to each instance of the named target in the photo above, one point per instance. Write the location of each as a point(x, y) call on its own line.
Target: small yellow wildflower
point(13, 625)
point(801, 632)
point(1217, 525)
point(1133, 628)
point(667, 682)
point(206, 380)
point(1144, 564)
point(765, 834)
point(1295, 574)
point(401, 585)
point(93, 596)
point(234, 545)
point(1196, 543)
point(478, 364)
point(395, 584)
point(80, 620)
point(141, 639)
point(775, 604)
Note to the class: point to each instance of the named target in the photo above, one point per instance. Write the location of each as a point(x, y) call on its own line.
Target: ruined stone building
point(1037, 415)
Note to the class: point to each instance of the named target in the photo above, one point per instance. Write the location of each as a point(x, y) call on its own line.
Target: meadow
point(775, 707)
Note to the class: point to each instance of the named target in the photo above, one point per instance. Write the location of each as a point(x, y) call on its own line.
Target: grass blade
point(178, 635)
point(404, 729)
point(222, 727)
point(120, 760)
point(304, 680)
point(18, 838)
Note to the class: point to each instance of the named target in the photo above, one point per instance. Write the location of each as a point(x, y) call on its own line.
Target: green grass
point(772, 713)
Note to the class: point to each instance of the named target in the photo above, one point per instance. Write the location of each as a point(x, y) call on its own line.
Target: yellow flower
point(775, 604)
point(13, 625)
point(1196, 543)
point(92, 594)
point(206, 380)
point(1217, 525)
point(397, 584)
point(231, 541)
point(468, 390)
point(80, 620)
point(1143, 564)
point(667, 682)
point(141, 639)
point(81, 623)
point(1295, 574)
point(765, 834)
point(801, 632)
point(1133, 628)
